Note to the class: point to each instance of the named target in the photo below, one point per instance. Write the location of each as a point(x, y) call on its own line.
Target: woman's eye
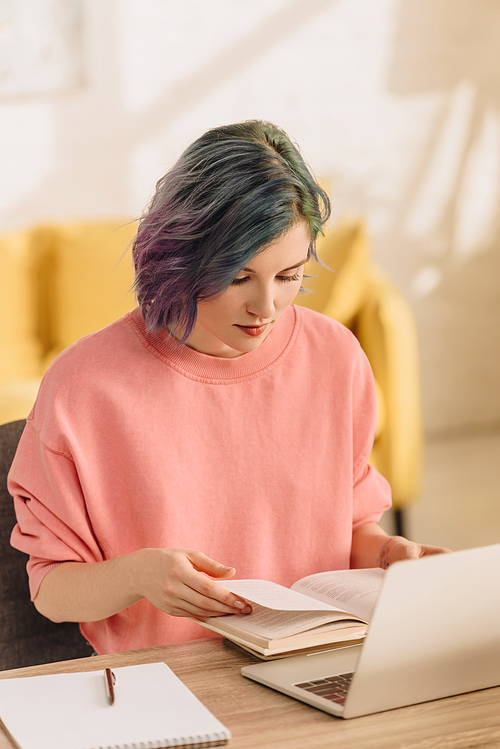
point(286, 279)
point(282, 279)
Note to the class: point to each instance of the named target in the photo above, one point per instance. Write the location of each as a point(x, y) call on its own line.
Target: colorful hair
point(231, 193)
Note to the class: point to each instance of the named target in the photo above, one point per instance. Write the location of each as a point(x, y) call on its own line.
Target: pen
point(110, 681)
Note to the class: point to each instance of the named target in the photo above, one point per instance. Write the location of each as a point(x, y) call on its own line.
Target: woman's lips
point(253, 330)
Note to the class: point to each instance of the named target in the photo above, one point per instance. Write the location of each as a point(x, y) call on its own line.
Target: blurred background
point(395, 105)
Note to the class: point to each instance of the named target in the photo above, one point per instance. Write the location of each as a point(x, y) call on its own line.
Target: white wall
point(395, 102)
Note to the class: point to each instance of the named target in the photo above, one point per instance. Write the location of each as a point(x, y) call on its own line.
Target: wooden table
point(259, 717)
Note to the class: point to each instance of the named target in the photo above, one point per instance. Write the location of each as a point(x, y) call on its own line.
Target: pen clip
point(110, 681)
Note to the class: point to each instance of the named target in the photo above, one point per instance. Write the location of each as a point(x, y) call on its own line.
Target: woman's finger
point(213, 593)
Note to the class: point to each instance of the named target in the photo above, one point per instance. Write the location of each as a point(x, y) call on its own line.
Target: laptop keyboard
point(333, 688)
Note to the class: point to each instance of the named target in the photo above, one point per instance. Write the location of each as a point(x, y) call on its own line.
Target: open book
point(321, 611)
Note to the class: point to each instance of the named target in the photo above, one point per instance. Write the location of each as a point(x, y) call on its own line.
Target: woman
point(217, 428)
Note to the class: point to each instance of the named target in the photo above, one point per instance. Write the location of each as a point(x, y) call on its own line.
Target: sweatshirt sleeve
point(52, 520)
point(371, 491)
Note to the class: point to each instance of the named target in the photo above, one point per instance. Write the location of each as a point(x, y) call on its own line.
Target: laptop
point(435, 632)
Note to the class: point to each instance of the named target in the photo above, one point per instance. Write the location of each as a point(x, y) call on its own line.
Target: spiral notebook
point(152, 708)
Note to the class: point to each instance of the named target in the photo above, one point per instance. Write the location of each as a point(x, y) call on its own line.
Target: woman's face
point(238, 320)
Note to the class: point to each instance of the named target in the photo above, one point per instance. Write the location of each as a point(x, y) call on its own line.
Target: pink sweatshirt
point(258, 461)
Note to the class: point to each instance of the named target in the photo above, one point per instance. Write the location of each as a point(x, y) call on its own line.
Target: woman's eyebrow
point(292, 267)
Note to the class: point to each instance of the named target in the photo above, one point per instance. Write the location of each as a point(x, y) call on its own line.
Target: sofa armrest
point(386, 330)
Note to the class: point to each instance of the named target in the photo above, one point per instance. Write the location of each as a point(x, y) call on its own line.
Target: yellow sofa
point(355, 291)
point(57, 284)
point(60, 282)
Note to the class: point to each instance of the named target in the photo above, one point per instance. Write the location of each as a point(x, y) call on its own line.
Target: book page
point(274, 596)
point(355, 591)
point(271, 623)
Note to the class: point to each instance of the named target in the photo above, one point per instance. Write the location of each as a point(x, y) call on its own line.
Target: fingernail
point(240, 605)
point(247, 610)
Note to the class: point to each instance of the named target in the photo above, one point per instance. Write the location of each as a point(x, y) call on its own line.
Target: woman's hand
point(171, 579)
point(397, 548)
point(175, 581)
point(372, 547)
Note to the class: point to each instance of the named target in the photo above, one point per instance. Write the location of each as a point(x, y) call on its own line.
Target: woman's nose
point(261, 304)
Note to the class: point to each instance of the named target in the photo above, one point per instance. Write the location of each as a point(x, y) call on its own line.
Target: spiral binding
point(186, 742)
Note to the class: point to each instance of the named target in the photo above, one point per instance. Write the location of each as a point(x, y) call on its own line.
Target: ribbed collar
point(217, 369)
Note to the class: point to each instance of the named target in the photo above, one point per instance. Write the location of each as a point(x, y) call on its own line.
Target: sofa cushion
point(92, 279)
point(19, 347)
point(340, 287)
